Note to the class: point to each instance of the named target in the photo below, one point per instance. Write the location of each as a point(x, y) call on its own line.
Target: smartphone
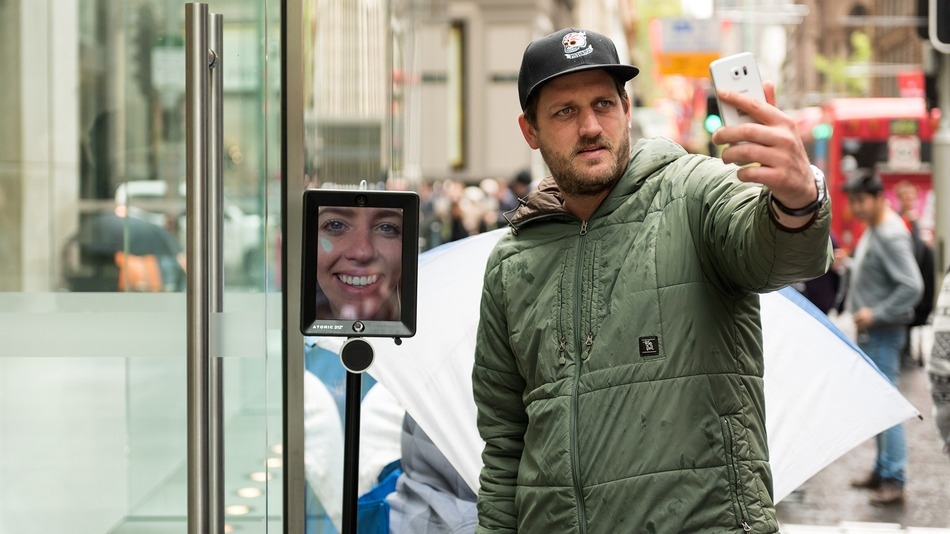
point(739, 73)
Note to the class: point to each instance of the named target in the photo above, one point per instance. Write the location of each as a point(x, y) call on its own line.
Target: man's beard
point(573, 181)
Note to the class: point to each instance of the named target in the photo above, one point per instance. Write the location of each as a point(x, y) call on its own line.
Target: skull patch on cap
point(575, 45)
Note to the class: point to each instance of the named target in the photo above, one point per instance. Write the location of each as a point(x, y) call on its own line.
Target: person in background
point(907, 201)
point(885, 284)
point(618, 361)
point(827, 292)
point(938, 365)
point(324, 384)
point(457, 227)
point(518, 187)
point(907, 195)
point(406, 484)
point(430, 496)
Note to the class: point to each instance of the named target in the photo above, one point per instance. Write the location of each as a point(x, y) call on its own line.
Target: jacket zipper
point(743, 513)
point(589, 341)
point(561, 336)
point(575, 454)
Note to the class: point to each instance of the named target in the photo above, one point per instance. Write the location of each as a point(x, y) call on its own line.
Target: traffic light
point(713, 119)
point(821, 131)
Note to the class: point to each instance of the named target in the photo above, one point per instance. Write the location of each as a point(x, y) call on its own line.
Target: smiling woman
point(359, 263)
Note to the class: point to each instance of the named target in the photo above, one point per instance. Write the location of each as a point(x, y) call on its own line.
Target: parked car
point(243, 232)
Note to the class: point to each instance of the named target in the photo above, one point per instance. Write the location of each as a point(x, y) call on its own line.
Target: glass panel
point(361, 92)
point(93, 421)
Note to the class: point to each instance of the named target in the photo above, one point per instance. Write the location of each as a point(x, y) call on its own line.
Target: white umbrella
point(823, 397)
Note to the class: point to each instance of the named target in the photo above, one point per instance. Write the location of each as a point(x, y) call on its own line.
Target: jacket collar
point(646, 158)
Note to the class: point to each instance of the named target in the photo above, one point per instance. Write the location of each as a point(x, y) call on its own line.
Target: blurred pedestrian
point(907, 201)
point(618, 361)
point(456, 227)
point(938, 365)
point(885, 284)
point(908, 198)
point(827, 292)
point(518, 187)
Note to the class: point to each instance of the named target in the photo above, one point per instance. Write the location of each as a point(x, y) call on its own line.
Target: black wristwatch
point(811, 208)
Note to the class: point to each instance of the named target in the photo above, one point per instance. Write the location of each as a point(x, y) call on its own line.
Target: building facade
point(827, 30)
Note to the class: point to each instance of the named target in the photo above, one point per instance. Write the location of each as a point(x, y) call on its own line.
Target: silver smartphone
point(739, 73)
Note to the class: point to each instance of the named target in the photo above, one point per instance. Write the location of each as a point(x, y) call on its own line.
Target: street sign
point(687, 46)
point(903, 152)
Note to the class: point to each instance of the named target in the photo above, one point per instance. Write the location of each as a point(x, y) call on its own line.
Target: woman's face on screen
point(359, 261)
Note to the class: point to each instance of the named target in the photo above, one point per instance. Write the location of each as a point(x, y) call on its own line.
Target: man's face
point(866, 207)
point(583, 132)
point(907, 196)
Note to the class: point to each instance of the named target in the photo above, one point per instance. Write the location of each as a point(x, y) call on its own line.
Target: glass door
point(92, 266)
point(352, 97)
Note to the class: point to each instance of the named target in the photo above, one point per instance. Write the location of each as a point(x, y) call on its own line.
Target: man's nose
point(589, 124)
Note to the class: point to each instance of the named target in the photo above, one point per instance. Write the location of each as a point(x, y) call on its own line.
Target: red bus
point(889, 135)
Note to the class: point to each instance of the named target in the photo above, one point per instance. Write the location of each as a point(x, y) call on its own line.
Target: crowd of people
point(452, 210)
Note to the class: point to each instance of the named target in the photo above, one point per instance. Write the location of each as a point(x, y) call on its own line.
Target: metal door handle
point(203, 52)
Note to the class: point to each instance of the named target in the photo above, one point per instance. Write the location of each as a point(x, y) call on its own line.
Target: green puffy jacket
point(618, 365)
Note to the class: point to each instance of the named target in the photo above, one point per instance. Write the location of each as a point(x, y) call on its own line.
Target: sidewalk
point(850, 527)
point(828, 503)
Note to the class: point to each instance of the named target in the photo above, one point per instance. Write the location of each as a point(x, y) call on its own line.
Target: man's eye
point(563, 112)
point(604, 104)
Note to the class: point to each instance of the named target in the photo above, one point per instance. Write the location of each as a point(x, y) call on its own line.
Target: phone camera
point(738, 72)
point(361, 200)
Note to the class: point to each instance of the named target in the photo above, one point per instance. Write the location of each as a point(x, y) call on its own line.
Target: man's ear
point(528, 131)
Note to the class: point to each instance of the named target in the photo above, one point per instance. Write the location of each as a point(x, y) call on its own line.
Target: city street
point(827, 503)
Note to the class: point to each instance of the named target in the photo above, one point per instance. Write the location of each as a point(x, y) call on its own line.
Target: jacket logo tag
point(649, 346)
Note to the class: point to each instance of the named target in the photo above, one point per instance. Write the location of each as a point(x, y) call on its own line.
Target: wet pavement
point(828, 503)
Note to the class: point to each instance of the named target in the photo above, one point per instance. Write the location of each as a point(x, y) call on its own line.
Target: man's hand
point(774, 144)
point(863, 318)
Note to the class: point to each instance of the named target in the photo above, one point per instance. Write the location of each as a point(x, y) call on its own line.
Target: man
point(885, 286)
point(618, 366)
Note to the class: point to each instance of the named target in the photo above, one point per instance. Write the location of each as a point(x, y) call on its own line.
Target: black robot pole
point(351, 451)
point(356, 355)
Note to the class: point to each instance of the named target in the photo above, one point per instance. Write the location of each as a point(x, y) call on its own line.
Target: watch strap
point(800, 212)
point(810, 208)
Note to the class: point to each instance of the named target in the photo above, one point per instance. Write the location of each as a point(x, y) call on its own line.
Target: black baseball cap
point(566, 51)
